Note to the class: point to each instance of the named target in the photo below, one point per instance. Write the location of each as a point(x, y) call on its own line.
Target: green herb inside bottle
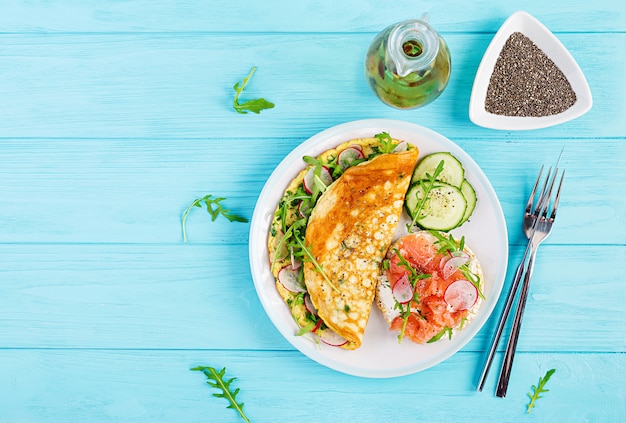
point(408, 64)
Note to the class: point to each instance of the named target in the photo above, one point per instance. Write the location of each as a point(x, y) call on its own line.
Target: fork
point(540, 230)
point(530, 216)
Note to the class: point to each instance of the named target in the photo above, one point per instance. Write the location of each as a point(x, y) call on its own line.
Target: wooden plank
point(135, 190)
point(179, 86)
point(99, 295)
point(202, 297)
point(156, 386)
point(284, 16)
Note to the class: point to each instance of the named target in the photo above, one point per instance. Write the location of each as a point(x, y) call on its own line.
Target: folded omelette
point(331, 231)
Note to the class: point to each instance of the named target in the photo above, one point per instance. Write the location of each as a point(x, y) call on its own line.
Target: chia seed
point(526, 82)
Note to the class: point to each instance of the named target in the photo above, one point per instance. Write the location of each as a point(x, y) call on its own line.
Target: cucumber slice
point(452, 173)
point(470, 196)
point(443, 210)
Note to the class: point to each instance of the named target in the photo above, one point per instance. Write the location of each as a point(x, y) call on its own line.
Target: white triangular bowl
point(544, 39)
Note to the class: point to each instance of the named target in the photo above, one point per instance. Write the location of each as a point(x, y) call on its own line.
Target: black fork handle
point(509, 355)
point(503, 319)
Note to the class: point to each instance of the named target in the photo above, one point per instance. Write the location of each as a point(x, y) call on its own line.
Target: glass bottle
point(408, 64)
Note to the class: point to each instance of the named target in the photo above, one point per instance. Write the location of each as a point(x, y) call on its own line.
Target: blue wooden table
point(115, 115)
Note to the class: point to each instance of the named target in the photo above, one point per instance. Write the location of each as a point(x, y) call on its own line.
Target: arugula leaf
point(255, 105)
point(414, 277)
point(308, 256)
point(463, 321)
point(387, 145)
point(216, 380)
point(450, 245)
point(293, 238)
point(307, 328)
point(331, 163)
point(312, 323)
point(440, 335)
point(539, 389)
point(319, 186)
point(214, 208)
point(289, 203)
point(430, 184)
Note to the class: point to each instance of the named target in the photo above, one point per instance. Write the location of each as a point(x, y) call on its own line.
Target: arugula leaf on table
point(216, 380)
point(539, 389)
point(254, 105)
point(214, 208)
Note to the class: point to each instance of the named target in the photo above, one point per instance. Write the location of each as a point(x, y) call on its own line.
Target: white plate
point(380, 354)
point(554, 49)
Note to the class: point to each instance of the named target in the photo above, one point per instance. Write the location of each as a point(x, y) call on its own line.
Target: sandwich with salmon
point(430, 286)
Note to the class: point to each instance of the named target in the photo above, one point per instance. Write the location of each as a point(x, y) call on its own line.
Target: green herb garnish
point(331, 163)
point(308, 256)
point(294, 241)
point(414, 277)
point(312, 322)
point(539, 389)
point(463, 321)
point(214, 208)
point(308, 328)
point(450, 245)
point(387, 144)
point(289, 204)
point(319, 186)
point(216, 380)
point(445, 330)
point(255, 105)
point(428, 186)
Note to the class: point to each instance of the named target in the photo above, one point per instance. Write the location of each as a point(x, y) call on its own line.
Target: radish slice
point(403, 146)
point(332, 338)
point(309, 304)
point(304, 208)
point(443, 261)
point(450, 255)
point(357, 146)
point(461, 295)
point(288, 277)
point(295, 263)
point(458, 259)
point(402, 290)
point(309, 178)
point(348, 156)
